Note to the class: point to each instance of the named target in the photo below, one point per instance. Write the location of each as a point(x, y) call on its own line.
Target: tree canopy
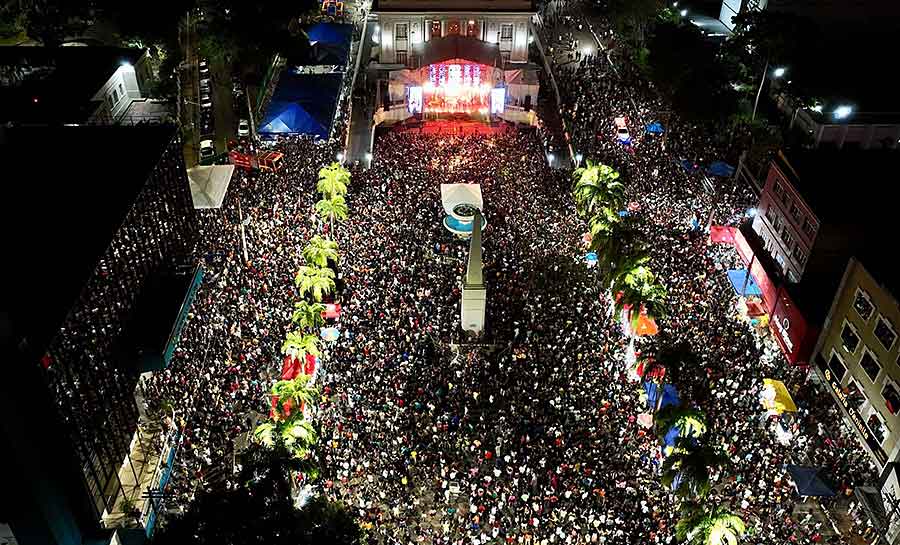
point(259, 510)
point(687, 68)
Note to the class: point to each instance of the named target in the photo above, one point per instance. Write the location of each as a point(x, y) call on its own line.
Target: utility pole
point(762, 82)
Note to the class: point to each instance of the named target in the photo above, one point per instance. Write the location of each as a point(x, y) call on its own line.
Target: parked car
point(622, 130)
point(243, 128)
point(207, 152)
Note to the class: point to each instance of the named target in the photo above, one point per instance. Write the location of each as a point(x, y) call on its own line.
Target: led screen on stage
point(415, 100)
point(498, 100)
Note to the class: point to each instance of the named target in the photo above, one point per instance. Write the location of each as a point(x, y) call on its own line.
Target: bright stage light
point(498, 100)
point(415, 100)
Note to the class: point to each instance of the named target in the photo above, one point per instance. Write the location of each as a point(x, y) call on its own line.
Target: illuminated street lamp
point(843, 112)
point(778, 72)
point(683, 13)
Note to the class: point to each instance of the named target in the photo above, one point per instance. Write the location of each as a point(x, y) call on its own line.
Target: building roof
point(40, 85)
point(459, 47)
point(844, 186)
point(68, 190)
point(485, 6)
point(846, 191)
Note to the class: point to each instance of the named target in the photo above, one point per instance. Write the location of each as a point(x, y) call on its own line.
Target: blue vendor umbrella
point(655, 128)
point(720, 168)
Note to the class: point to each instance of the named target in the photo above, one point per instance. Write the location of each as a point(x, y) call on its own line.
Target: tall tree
point(597, 186)
point(315, 281)
point(333, 209)
point(298, 344)
point(714, 525)
point(634, 19)
point(308, 315)
point(319, 252)
point(333, 180)
point(686, 471)
point(691, 423)
point(687, 68)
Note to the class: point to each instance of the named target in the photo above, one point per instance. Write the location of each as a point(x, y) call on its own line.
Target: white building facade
point(405, 24)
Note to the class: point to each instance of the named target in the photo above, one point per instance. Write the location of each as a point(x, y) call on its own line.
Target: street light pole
point(762, 82)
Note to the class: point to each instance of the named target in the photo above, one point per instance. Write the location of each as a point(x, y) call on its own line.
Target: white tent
point(209, 184)
point(453, 195)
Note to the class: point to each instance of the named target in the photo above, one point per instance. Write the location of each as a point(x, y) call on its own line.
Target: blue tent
point(302, 104)
point(809, 482)
point(720, 168)
point(669, 395)
point(688, 165)
point(737, 279)
point(655, 128)
point(330, 42)
point(671, 436)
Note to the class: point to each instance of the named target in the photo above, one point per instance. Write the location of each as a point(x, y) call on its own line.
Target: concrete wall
point(114, 98)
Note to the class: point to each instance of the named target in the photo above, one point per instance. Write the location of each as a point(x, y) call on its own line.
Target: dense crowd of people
point(528, 434)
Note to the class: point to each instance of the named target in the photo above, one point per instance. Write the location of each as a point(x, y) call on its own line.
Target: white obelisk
point(474, 292)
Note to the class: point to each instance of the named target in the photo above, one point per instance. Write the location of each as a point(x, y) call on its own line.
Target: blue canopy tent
point(737, 279)
point(669, 395)
point(809, 482)
point(671, 436)
point(330, 43)
point(720, 168)
point(688, 165)
point(302, 104)
point(655, 128)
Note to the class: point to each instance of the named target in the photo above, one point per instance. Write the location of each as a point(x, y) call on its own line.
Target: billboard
point(415, 100)
point(498, 100)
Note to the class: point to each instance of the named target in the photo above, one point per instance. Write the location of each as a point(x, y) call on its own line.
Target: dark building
point(817, 209)
point(76, 85)
point(92, 215)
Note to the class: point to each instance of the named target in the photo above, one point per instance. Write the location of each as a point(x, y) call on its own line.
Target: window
point(778, 189)
point(870, 365)
point(855, 395)
point(809, 229)
point(891, 396)
point(779, 259)
point(849, 338)
point(786, 201)
point(401, 57)
point(799, 255)
point(506, 32)
point(787, 238)
point(777, 223)
point(884, 332)
point(472, 29)
point(863, 304)
point(121, 89)
point(795, 212)
point(435, 29)
point(770, 212)
point(877, 426)
point(115, 96)
point(838, 369)
point(401, 31)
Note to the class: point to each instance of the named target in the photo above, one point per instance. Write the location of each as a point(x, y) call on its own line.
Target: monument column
point(474, 291)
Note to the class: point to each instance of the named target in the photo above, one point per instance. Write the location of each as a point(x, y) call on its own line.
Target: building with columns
point(406, 25)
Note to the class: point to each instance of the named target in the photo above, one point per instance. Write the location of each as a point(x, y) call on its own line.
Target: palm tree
point(316, 281)
point(319, 251)
point(334, 208)
point(716, 526)
point(687, 469)
point(308, 315)
point(298, 436)
point(298, 344)
point(597, 185)
point(639, 288)
point(333, 180)
point(295, 434)
point(691, 423)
